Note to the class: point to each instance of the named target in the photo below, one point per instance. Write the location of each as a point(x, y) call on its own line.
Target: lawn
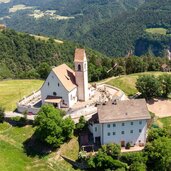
point(156, 31)
point(166, 121)
point(13, 157)
point(127, 82)
point(4, 126)
point(11, 91)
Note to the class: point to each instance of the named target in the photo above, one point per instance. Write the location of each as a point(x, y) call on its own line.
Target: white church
point(64, 86)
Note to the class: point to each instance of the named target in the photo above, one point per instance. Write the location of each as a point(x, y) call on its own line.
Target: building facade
point(121, 123)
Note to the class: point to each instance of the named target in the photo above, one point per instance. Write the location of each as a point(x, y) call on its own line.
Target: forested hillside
point(25, 56)
point(113, 27)
point(128, 32)
point(72, 18)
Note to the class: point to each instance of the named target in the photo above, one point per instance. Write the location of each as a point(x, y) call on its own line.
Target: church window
point(108, 133)
point(108, 125)
point(58, 84)
point(48, 83)
point(123, 124)
point(140, 122)
point(122, 132)
point(131, 131)
point(54, 93)
point(79, 67)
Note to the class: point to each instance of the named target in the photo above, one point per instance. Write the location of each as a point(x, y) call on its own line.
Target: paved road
point(12, 114)
point(87, 112)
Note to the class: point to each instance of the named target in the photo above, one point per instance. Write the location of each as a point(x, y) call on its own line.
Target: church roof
point(79, 55)
point(123, 111)
point(66, 76)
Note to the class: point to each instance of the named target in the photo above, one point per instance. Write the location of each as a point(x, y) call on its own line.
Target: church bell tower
point(81, 74)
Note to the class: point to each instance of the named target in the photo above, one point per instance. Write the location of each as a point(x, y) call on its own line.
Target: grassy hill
point(13, 90)
point(13, 157)
point(127, 82)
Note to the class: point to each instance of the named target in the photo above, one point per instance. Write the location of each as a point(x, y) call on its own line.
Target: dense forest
point(24, 56)
point(88, 14)
point(127, 32)
point(112, 27)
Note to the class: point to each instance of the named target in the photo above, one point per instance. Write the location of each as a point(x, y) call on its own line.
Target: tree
point(159, 154)
point(113, 150)
point(165, 80)
point(103, 161)
point(81, 124)
point(44, 70)
point(2, 114)
point(51, 128)
point(148, 86)
point(137, 166)
point(135, 160)
point(156, 133)
point(68, 127)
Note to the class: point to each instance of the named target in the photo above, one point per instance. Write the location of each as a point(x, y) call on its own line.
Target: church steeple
point(81, 74)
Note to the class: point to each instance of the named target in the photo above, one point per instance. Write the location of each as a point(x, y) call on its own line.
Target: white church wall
point(51, 85)
point(72, 96)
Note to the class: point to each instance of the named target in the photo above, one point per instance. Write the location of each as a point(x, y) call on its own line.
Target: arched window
point(79, 67)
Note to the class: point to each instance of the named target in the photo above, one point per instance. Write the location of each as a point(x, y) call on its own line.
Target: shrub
point(16, 118)
point(81, 125)
point(128, 145)
point(82, 155)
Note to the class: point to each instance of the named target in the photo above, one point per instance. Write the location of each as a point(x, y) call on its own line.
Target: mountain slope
point(113, 27)
point(127, 32)
point(78, 16)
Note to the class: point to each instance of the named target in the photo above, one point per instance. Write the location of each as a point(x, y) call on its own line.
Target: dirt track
point(161, 107)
